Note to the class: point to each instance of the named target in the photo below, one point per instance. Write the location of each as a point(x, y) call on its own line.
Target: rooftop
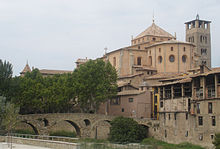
point(155, 30)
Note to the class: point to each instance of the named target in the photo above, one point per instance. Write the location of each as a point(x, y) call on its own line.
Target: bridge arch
point(100, 129)
point(146, 129)
point(77, 128)
point(23, 125)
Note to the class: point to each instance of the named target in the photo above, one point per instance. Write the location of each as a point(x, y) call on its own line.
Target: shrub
point(24, 131)
point(216, 142)
point(63, 134)
point(126, 130)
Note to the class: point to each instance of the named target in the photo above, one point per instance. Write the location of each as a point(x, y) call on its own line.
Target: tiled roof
point(52, 72)
point(143, 67)
point(130, 92)
point(26, 69)
point(155, 31)
point(172, 41)
point(130, 76)
point(162, 76)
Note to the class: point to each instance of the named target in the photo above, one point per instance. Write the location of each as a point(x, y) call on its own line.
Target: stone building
point(198, 33)
point(152, 55)
point(44, 72)
point(187, 107)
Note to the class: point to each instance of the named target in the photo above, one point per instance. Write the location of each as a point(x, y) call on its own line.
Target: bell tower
point(198, 33)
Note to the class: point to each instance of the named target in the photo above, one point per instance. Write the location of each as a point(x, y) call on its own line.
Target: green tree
point(2, 108)
point(38, 94)
point(216, 142)
point(94, 83)
point(5, 77)
point(126, 130)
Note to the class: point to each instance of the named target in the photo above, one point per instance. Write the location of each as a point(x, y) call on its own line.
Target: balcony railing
point(211, 92)
point(199, 93)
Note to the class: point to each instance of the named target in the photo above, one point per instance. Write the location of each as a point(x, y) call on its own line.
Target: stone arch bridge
point(85, 125)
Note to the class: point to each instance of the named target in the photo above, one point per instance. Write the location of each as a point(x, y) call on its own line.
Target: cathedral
point(155, 54)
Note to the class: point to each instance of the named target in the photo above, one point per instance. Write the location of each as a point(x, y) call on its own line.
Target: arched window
point(171, 48)
point(114, 61)
point(184, 58)
point(172, 58)
point(150, 60)
point(201, 38)
point(154, 39)
point(160, 59)
point(139, 61)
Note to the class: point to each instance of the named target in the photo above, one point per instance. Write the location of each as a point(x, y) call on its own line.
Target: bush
point(63, 134)
point(216, 142)
point(24, 131)
point(155, 144)
point(126, 130)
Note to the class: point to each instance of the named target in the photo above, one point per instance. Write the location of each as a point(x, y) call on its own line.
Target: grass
point(157, 144)
point(63, 134)
point(23, 131)
point(91, 140)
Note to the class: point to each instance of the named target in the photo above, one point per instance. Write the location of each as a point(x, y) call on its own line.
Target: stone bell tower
point(198, 33)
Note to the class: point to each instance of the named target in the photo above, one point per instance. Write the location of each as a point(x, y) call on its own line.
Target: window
point(154, 39)
point(203, 51)
point(200, 137)
point(184, 58)
point(200, 38)
point(150, 60)
point(184, 49)
point(200, 120)
point(130, 99)
point(169, 116)
point(139, 61)
point(171, 48)
point(209, 107)
point(122, 110)
point(172, 58)
point(139, 47)
point(159, 49)
point(161, 104)
point(204, 62)
point(213, 121)
point(114, 61)
point(175, 116)
point(160, 59)
point(198, 108)
point(212, 137)
point(187, 133)
point(164, 116)
point(115, 101)
point(165, 133)
point(186, 116)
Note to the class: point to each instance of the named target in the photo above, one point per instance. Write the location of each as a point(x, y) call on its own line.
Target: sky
point(53, 34)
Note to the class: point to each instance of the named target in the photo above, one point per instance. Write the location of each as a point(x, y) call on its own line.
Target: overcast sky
point(53, 34)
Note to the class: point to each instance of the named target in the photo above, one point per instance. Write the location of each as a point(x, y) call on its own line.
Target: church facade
point(154, 54)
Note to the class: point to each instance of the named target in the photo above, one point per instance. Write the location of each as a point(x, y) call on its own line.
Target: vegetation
point(24, 131)
point(5, 77)
point(157, 144)
point(126, 130)
point(95, 82)
point(63, 134)
point(216, 142)
point(34, 93)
